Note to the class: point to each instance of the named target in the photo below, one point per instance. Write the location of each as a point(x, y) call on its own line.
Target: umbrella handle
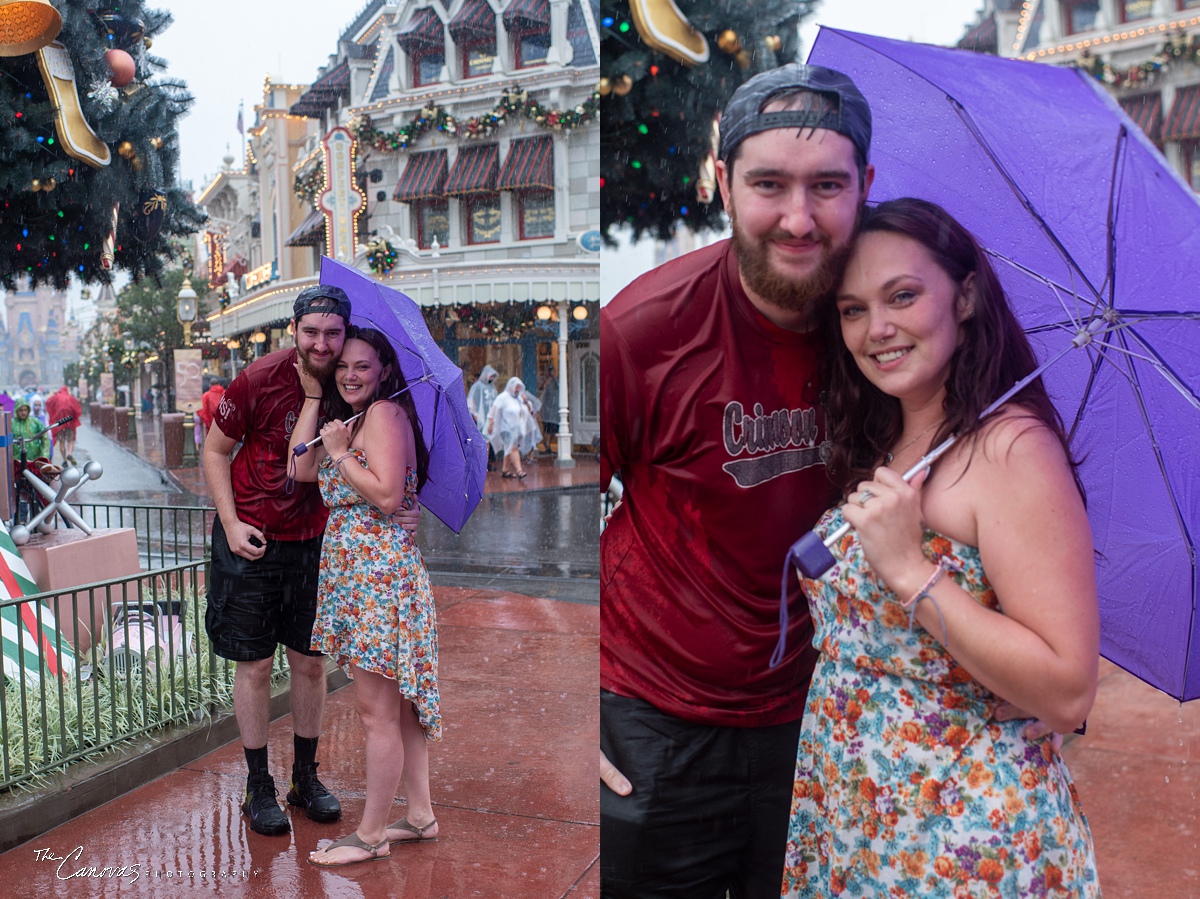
point(813, 557)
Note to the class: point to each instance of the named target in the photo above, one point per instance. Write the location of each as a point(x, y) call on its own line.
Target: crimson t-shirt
point(260, 409)
point(710, 414)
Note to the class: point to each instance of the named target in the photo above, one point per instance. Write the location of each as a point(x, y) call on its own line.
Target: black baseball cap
point(323, 299)
point(744, 117)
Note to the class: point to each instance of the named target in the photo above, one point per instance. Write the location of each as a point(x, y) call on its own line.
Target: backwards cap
point(323, 299)
point(744, 117)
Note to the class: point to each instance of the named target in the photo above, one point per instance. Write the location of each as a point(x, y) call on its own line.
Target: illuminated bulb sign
point(258, 276)
point(342, 200)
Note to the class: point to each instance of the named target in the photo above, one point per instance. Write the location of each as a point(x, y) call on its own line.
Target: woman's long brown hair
point(994, 354)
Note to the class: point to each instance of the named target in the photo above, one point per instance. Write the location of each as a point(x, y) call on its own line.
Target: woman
point(375, 614)
point(907, 784)
point(512, 428)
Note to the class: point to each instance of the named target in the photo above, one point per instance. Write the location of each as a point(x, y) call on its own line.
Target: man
point(60, 405)
point(210, 401)
point(711, 415)
point(266, 548)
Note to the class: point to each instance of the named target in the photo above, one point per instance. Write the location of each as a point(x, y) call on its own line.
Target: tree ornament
point(108, 250)
point(104, 94)
point(122, 32)
point(605, 87)
point(78, 138)
point(774, 43)
point(728, 41)
point(742, 58)
point(147, 43)
point(27, 26)
point(122, 66)
point(148, 217)
point(125, 149)
point(622, 85)
point(156, 143)
point(35, 185)
point(137, 163)
point(664, 28)
point(49, 184)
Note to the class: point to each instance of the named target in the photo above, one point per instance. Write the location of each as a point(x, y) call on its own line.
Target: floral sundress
point(906, 785)
point(375, 606)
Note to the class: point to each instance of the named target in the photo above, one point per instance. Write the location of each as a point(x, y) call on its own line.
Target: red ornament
point(122, 66)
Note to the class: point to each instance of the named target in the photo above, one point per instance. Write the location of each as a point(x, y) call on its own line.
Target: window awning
point(475, 21)
point(529, 164)
point(424, 177)
point(527, 13)
point(422, 31)
point(475, 171)
point(324, 92)
point(1183, 122)
point(1146, 112)
point(311, 232)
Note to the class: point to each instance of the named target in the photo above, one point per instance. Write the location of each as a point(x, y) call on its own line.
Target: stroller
point(144, 634)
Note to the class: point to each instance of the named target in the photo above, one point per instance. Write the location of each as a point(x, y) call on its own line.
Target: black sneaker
point(261, 807)
point(310, 794)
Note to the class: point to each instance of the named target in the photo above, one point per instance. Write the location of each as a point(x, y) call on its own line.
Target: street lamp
point(186, 310)
point(258, 338)
point(233, 345)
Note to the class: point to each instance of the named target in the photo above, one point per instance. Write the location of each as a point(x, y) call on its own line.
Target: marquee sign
point(342, 200)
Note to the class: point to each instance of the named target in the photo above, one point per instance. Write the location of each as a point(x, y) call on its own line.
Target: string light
point(1115, 37)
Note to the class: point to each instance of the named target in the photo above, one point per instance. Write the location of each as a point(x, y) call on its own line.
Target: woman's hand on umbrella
point(886, 513)
point(336, 437)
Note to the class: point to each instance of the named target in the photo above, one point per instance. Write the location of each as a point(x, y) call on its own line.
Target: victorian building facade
point(451, 148)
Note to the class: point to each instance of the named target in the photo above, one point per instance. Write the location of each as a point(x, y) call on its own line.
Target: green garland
point(514, 102)
point(309, 184)
point(381, 256)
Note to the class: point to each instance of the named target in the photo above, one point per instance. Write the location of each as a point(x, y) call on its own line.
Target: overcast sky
point(927, 21)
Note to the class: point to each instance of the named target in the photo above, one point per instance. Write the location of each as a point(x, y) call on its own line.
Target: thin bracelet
point(342, 458)
point(317, 398)
point(929, 585)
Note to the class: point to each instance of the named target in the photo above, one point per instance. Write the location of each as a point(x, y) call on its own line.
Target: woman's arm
point(386, 439)
point(305, 430)
point(1035, 543)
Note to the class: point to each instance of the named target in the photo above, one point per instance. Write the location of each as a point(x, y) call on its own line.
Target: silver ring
point(863, 496)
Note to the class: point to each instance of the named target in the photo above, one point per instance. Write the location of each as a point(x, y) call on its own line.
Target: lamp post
point(258, 338)
point(186, 310)
point(565, 459)
point(234, 346)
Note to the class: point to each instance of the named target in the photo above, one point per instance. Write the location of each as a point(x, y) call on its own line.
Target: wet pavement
point(513, 783)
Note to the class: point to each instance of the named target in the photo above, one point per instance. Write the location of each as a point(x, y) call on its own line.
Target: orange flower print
point(943, 867)
point(940, 547)
point(914, 863)
point(990, 870)
point(931, 790)
point(1054, 877)
point(956, 735)
point(1030, 779)
point(911, 731)
point(868, 789)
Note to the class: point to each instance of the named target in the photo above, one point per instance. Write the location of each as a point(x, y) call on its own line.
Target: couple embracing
point(326, 565)
point(893, 751)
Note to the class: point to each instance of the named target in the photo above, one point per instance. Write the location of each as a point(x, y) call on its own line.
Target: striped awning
point(475, 171)
point(423, 30)
point(474, 21)
point(424, 177)
point(324, 92)
point(311, 232)
point(1183, 122)
point(1146, 112)
point(529, 164)
point(535, 12)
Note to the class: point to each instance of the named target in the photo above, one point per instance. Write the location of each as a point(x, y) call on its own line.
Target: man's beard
point(318, 372)
point(793, 294)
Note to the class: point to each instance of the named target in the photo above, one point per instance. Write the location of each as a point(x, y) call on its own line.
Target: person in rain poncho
point(481, 396)
point(511, 427)
point(28, 428)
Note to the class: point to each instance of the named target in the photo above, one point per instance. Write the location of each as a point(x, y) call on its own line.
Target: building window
point(1132, 10)
point(1080, 15)
point(477, 58)
point(427, 66)
point(483, 218)
point(531, 47)
point(433, 221)
point(589, 387)
point(1189, 4)
point(536, 211)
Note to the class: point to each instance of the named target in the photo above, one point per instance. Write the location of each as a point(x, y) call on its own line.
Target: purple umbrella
point(1090, 231)
point(457, 451)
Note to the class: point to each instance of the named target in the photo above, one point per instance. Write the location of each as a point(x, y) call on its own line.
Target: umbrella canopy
point(457, 451)
point(1084, 220)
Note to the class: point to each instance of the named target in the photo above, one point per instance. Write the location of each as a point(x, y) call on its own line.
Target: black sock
point(306, 750)
point(256, 760)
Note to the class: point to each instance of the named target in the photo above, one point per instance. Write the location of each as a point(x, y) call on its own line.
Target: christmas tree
point(660, 96)
point(88, 144)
